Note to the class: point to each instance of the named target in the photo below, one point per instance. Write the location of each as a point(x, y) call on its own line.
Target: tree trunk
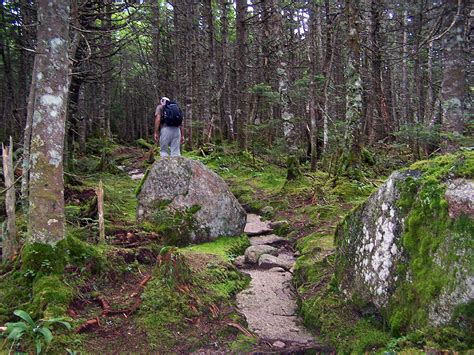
point(10, 245)
point(241, 115)
point(210, 99)
point(354, 85)
point(404, 95)
point(46, 211)
point(288, 117)
point(453, 86)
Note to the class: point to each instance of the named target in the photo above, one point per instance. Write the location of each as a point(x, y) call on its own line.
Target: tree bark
point(354, 89)
point(453, 86)
point(241, 115)
point(288, 117)
point(10, 244)
point(46, 210)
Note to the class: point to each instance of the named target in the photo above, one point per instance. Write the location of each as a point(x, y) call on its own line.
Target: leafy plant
point(38, 332)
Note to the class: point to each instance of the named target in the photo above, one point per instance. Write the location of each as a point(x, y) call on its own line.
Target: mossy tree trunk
point(51, 74)
point(354, 86)
point(453, 86)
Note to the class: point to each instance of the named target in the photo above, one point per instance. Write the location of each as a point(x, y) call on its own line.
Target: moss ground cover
point(188, 286)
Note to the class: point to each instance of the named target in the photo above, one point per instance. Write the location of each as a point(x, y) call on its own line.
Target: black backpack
point(172, 115)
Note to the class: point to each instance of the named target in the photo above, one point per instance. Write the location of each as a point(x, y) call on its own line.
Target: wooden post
point(10, 241)
point(100, 208)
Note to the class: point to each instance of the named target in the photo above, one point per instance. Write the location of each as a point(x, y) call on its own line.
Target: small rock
point(239, 261)
point(278, 344)
point(253, 253)
point(269, 261)
point(296, 254)
point(137, 176)
point(255, 226)
point(269, 239)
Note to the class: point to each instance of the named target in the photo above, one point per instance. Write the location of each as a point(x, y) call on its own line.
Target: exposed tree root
point(108, 311)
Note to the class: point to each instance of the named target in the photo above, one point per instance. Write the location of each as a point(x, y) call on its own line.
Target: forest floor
point(312, 206)
point(132, 304)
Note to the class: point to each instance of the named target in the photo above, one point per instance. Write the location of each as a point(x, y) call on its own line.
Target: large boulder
point(408, 250)
point(182, 183)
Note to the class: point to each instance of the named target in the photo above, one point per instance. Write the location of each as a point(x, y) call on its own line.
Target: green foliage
point(138, 189)
point(432, 338)
point(51, 296)
point(119, 198)
point(177, 226)
point(144, 144)
point(368, 337)
point(265, 91)
point(312, 266)
point(248, 176)
point(339, 325)
point(37, 333)
point(243, 344)
point(43, 259)
point(368, 157)
point(224, 280)
point(15, 290)
point(293, 168)
point(177, 293)
point(82, 254)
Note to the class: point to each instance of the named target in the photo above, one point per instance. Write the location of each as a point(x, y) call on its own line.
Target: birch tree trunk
point(51, 73)
point(288, 117)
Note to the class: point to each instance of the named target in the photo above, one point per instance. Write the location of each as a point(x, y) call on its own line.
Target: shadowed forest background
point(303, 107)
point(323, 78)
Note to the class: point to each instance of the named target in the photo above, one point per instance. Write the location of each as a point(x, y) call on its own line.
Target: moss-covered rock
point(408, 250)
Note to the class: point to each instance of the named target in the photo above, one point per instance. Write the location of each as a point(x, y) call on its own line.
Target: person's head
point(164, 100)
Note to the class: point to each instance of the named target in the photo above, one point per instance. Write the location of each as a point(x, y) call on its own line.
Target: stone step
point(267, 261)
point(269, 239)
point(255, 225)
point(253, 253)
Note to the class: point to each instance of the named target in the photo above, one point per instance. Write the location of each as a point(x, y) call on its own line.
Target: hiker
point(169, 127)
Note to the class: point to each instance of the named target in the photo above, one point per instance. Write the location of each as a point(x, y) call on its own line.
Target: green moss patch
point(431, 239)
point(225, 247)
point(51, 296)
point(39, 259)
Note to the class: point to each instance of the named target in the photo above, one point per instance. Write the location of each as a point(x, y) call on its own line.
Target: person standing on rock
point(169, 127)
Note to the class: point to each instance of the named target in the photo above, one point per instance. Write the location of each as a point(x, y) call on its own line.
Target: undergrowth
point(178, 293)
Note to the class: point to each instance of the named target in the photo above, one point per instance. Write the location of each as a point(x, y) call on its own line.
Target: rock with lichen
point(408, 249)
point(181, 184)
